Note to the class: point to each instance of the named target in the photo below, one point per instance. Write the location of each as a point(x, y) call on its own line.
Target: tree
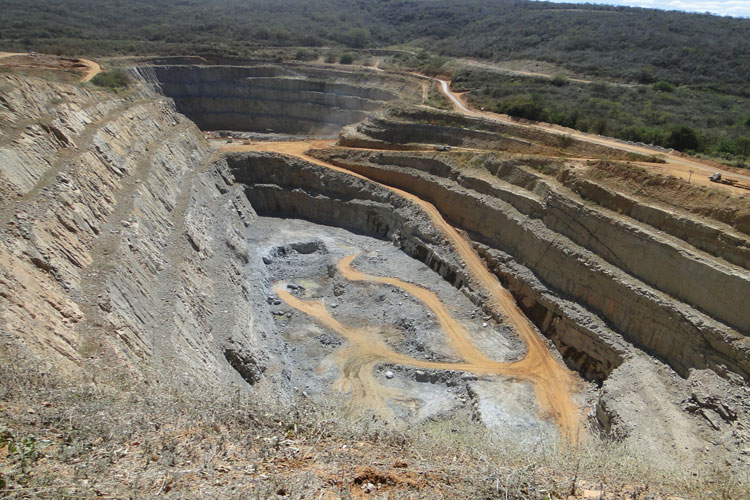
point(358, 38)
point(600, 126)
point(742, 145)
point(523, 106)
point(559, 80)
point(347, 58)
point(682, 139)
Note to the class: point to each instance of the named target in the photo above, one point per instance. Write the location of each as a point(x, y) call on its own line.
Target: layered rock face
point(579, 271)
point(663, 295)
point(125, 240)
point(413, 128)
point(291, 100)
point(121, 242)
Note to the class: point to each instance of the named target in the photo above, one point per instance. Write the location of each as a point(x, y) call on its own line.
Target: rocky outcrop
point(383, 133)
point(122, 241)
point(286, 187)
point(293, 100)
point(277, 185)
point(408, 128)
point(715, 238)
point(542, 231)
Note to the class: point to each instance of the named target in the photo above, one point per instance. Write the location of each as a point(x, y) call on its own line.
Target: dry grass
point(127, 439)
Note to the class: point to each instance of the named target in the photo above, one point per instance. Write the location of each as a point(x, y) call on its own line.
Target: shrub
point(523, 106)
point(565, 141)
point(742, 145)
point(559, 80)
point(347, 58)
point(114, 80)
point(683, 138)
point(645, 76)
point(663, 86)
point(600, 126)
point(305, 55)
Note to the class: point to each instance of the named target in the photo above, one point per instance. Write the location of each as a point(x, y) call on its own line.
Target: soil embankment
point(33, 61)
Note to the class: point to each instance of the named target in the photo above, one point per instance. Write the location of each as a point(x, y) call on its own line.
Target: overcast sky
point(737, 8)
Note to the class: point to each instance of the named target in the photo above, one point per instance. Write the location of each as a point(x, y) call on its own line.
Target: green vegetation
point(347, 58)
point(665, 72)
point(619, 43)
point(114, 80)
point(686, 118)
point(663, 86)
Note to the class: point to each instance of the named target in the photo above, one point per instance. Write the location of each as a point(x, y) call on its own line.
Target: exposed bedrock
point(717, 239)
point(407, 129)
point(667, 264)
point(287, 187)
point(582, 255)
point(121, 239)
point(384, 132)
point(711, 236)
point(282, 186)
point(294, 100)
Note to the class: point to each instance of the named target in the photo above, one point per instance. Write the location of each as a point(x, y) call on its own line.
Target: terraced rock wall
point(415, 128)
point(583, 255)
point(121, 239)
point(268, 98)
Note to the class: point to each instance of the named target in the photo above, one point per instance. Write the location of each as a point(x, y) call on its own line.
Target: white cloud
point(737, 8)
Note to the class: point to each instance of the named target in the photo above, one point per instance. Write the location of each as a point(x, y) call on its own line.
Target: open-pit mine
point(319, 231)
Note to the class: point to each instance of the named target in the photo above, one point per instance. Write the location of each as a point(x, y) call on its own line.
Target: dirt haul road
point(676, 165)
point(553, 383)
point(92, 68)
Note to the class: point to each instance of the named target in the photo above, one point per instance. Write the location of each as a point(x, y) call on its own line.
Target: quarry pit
point(324, 243)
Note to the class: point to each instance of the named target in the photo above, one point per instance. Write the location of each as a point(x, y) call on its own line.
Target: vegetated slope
point(614, 42)
point(686, 118)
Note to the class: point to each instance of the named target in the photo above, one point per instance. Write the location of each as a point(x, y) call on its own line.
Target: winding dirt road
point(92, 68)
point(676, 165)
point(553, 383)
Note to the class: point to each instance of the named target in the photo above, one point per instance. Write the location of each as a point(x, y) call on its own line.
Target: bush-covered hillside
point(683, 117)
point(613, 42)
point(686, 75)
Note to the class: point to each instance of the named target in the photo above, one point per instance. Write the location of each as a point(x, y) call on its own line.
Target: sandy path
point(676, 164)
point(366, 350)
point(553, 382)
point(93, 68)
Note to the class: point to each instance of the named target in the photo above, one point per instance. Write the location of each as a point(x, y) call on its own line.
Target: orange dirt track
point(553, 383)
point(92, 68)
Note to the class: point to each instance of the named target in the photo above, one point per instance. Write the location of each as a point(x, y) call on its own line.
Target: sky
point(736, 8)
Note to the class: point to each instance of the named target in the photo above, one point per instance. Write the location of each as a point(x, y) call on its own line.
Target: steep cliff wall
point(623, 273)
point(294, 100)
point(121, 241)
